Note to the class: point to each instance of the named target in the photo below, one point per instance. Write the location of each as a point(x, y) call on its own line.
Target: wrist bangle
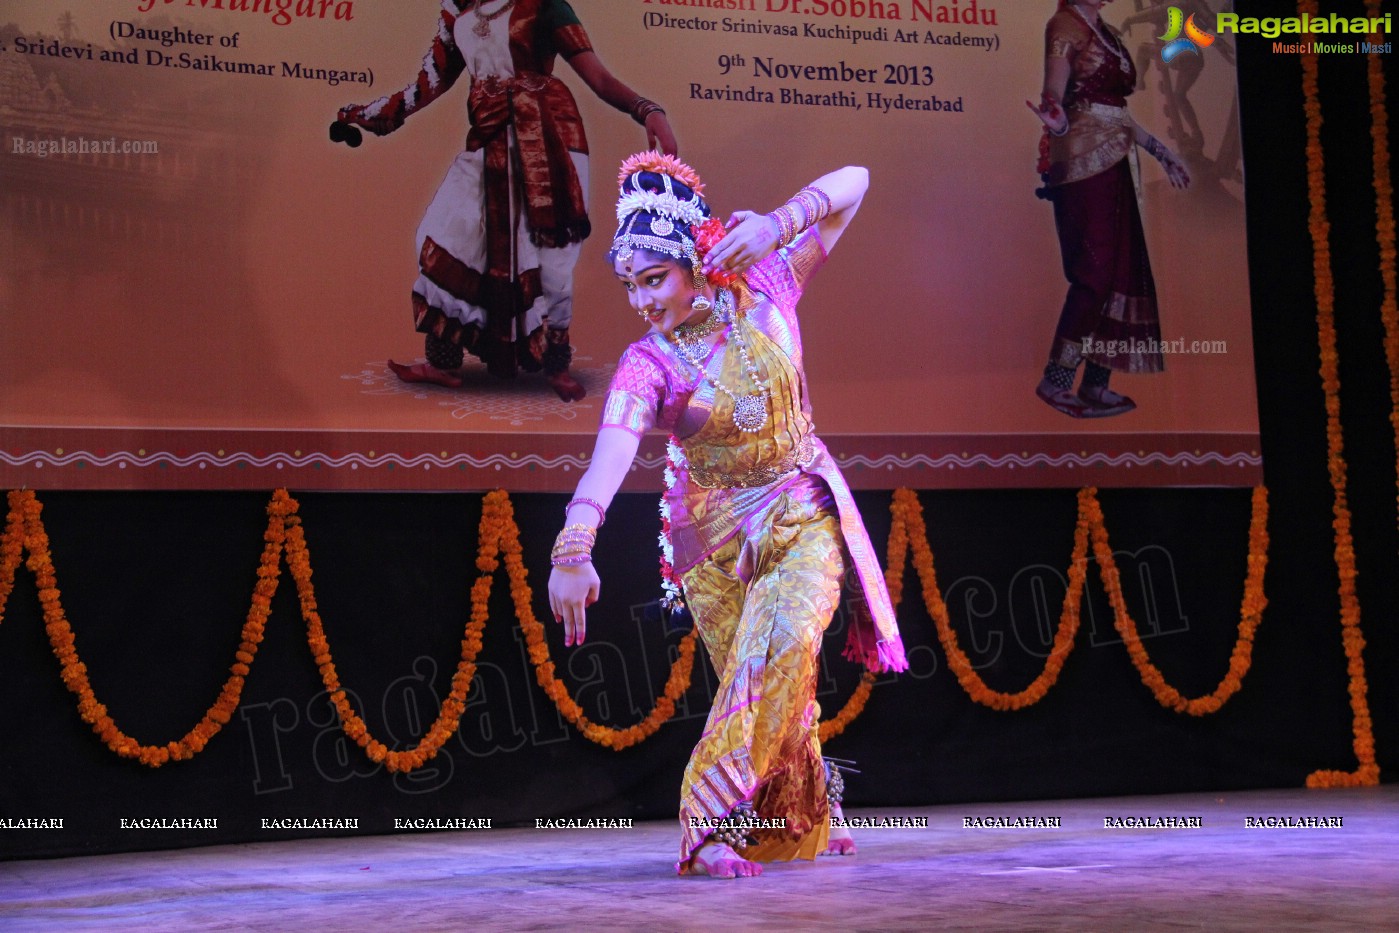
point(1049, 102)
point(783, 233)
point(790, 224)
point(825, 208)
point(814, 205)
point(572, 542)
point(641, 108)
point(591, 503)
point(571, 560)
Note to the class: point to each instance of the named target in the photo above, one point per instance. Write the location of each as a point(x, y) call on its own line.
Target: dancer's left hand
point(1176, 172)
point(572, 589)
point(752, 237)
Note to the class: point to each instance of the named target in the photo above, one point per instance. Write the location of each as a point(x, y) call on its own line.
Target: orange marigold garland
point(24, 531)
point(1352, 639)
point(652, 161)
point(909, 530)
point(74, 672)
point(1389, 313)
point(1363, 741)
point(448, 717)
point(707, 236)
point(1254, 602)
point(1384, 223)
point(11, 547)
point(499, 533)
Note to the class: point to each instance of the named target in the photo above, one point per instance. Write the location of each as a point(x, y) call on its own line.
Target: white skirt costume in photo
point(497, 246)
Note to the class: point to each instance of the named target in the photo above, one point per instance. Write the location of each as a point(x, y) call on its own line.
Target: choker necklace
point(750, 412)
point(483, 20)
point(690, 335)
point(689, 339)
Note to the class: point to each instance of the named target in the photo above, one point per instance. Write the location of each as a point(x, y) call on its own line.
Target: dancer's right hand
point(659, 135)
point(1051, 113)
point(354, 116)
point(572, 589)
point(342, 132)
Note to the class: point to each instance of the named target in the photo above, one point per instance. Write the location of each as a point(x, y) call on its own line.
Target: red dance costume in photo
point(1091, 181)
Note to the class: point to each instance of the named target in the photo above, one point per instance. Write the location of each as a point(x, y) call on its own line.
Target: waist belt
point(762, 476)
point(1108, 112)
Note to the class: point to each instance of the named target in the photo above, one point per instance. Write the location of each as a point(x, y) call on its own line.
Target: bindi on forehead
point(629, 271)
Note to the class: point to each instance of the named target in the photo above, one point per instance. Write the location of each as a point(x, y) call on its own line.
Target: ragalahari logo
point(1193, 40)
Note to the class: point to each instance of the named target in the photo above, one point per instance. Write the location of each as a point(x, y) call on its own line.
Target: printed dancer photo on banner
point(498, 244)
point(1110, 321)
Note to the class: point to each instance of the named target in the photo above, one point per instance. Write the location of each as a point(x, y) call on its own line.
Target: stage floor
point(1224, 875)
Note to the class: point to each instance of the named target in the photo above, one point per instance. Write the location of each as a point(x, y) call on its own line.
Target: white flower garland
point(672, 598)
point(662, 203)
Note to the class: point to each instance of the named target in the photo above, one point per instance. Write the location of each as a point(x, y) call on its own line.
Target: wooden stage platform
point(1276, 860)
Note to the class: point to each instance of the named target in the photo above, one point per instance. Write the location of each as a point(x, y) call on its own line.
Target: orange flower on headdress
point(652, 161)
point(707, 236)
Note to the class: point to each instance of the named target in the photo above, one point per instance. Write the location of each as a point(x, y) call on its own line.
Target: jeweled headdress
point(660, 205)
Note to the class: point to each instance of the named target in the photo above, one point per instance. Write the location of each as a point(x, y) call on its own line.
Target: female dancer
point(757, 513)
point(497, 247)
point(1110, 318)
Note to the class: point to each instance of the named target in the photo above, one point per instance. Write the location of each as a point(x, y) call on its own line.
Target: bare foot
point(840, 841)
point(568, 388)
point(423, 372)
point(719, 861)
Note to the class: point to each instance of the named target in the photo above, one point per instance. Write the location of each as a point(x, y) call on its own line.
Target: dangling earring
point(700, 303)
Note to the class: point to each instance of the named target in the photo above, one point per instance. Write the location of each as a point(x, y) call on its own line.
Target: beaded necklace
point(750, 412)
point(1124, 60)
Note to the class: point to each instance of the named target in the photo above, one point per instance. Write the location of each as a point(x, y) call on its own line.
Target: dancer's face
point(660, 289)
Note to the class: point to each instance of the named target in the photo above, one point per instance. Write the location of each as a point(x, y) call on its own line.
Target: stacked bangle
point(641, 108)
point(786, 225)
point(591, 503)
point(574, 545)
point(814, 204)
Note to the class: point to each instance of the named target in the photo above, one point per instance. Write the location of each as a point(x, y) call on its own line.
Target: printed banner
point(202, 284)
